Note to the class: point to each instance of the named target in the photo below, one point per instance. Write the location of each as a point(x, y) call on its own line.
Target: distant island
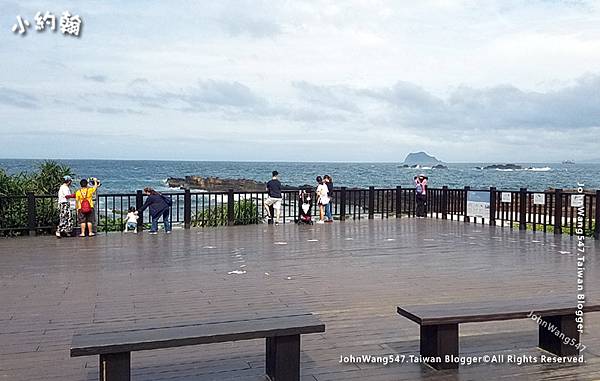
point(421, 159)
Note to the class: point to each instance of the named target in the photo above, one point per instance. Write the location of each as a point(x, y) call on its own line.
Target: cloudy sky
point(359, 80)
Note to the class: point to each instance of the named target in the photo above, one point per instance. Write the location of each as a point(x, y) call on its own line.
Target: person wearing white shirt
point(322, 198)
point(65, 220)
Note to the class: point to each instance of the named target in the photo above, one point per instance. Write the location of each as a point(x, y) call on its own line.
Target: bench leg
point(115, 367)
point(438, 341)
point(566, 327)
point(283, 358)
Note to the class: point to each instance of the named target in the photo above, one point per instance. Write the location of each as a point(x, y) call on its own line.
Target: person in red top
point(421, 195)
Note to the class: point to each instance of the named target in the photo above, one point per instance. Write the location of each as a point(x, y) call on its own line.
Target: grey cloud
point(222, 94)
point(110, 110)
point(116, 111)
point(331, 97)
point(249, 18)
point(506, 107)
point(406, 95)
point(18, 98)
point(96, 78)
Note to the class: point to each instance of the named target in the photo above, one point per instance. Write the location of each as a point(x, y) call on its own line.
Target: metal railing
point(523, 209)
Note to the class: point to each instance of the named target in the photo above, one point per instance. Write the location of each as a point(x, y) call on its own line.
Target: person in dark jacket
point(158, 207)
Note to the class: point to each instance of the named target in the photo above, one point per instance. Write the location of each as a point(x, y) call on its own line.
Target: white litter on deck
point(237, 272)
point(280, 243)
point(565, 252)
point(313, 240)
point(209, 247)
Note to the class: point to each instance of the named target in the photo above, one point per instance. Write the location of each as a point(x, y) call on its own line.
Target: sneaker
point(169, 232)
point(320, 222)
point(152, 232)
point(329, 221)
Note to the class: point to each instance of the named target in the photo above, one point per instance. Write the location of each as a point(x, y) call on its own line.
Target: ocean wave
point(541, 169)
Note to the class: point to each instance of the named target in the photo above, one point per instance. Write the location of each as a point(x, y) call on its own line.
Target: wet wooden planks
point(352, 275)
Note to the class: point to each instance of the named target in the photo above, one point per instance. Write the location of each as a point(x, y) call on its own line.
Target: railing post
point(343, 204)
point(139, 202)
point(492, 206)
point(187, 209)
point(31, 214)
point(558, 211)
point(466, 217)
point(597, 216)
point(230, 208)
point(444, 202)
point(523, 209)
point(398, 201)
point(371, 202)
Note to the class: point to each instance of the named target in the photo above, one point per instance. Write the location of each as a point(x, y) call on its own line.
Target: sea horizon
point(127, 176)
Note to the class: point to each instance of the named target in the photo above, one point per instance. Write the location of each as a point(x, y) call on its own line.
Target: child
point(131, 220)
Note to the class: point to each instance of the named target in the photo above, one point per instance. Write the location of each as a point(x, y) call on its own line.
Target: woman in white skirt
point(65, 224)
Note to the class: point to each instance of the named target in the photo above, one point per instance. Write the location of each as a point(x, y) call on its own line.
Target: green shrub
point(245, 213)
point(46, 180)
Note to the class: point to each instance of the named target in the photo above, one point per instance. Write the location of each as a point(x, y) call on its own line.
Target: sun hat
point(67, 178)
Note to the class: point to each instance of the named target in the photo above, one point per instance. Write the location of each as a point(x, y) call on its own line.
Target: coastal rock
point(439, 166)
point(217, 184)
point(503, 166)
point(421, 158)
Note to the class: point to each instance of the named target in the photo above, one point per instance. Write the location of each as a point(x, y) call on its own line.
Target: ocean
point(125, 176)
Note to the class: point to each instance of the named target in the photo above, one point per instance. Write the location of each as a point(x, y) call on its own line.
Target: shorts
point(132, 225)
point(275, 202)
point(86, 218)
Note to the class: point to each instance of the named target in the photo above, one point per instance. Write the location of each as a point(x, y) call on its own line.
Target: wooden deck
point(352, 275)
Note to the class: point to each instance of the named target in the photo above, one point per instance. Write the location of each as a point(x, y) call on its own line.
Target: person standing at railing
point(322, 199)
point(65, 220)
point(274, 197)
point(84, 198)
point(159, 206)
point(328, 207)
point(421, 195)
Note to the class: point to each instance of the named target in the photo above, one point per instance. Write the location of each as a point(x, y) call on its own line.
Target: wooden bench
point(282, 335)
point(439, 323)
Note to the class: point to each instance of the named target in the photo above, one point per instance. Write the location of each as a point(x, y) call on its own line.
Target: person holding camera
point(421, 195)
point(84, 200)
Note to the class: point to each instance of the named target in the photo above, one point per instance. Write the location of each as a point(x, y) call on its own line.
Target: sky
point(470, 81)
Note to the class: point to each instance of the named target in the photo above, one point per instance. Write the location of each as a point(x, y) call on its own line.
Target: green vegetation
point(44, 181)
point(245, 213)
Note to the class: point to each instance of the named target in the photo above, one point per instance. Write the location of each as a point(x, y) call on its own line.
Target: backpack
point(419, 188)
point(86, 207)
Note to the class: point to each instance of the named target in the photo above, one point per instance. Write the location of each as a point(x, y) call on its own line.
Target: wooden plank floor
point(352, 275)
